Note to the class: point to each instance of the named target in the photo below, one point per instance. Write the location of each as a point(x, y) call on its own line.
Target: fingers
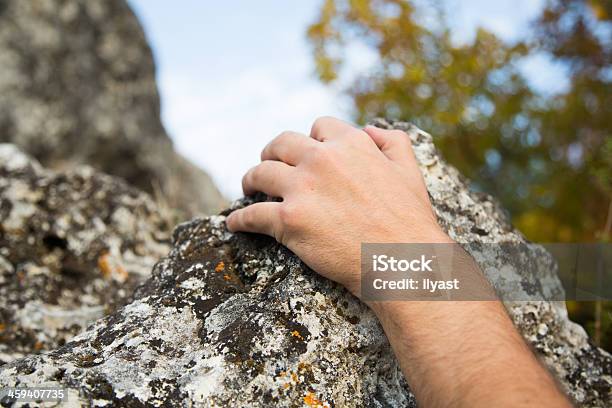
point(261, 218)
point(328, 128)
point(288, 147)
point(395, 144)
point(270, 177)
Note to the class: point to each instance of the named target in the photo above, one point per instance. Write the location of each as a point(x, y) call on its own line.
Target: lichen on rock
point(73, 246)
point(238, 320)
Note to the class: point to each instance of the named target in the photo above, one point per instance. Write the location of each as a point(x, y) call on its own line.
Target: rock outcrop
point(238, 320)
point(73, 246)
point(77, 86)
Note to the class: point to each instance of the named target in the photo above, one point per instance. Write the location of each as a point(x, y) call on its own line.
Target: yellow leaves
point(320, 33)
point(328, 10)
point(326, 68)
point(415, 73)
point(323, 29)
point(598, 10)
point(542, 227)
point(361, 10)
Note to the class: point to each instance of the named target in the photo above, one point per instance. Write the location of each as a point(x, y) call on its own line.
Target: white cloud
point(222, 124)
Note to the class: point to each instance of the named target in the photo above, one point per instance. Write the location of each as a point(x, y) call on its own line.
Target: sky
point(234, 74)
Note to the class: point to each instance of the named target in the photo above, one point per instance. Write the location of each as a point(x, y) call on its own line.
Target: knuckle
point(320, 154)
point(245, 179)
point(275, 143)
point(307, 182)
point(289, 216)
point(319, 124)
point(251, 177)
point(267, 168)
point(314, 150)
point(248, 177)
point(248, 218)
point(256, 173)
point(401, 135)
point(360, 138)
point(265, 152)
point(283, 136)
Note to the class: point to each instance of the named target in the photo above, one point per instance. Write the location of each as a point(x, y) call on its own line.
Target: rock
point(73, 246)
point(77, 86)
point(238, 320)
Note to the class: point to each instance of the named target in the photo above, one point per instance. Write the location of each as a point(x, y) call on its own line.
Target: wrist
point(425, 234)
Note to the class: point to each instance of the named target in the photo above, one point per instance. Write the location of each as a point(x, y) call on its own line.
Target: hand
point(344, 186)
point(340, 187)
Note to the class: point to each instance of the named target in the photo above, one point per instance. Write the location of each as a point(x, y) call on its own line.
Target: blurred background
point(515, 92)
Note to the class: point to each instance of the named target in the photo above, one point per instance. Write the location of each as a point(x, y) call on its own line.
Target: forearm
point(465, 353)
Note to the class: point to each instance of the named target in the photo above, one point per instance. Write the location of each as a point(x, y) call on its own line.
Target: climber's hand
point(340, 187)
point(344, 186)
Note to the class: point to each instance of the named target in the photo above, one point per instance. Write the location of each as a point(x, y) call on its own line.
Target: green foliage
point(547, 157)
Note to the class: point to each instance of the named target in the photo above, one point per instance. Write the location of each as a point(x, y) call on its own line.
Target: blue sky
point(234, 74)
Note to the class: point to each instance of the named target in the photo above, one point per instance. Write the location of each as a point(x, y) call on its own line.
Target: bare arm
point(466, 354)
point(343, 186)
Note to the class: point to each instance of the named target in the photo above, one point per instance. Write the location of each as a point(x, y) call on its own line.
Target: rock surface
point(73, 246)
point(77, 86)
point(236, 319)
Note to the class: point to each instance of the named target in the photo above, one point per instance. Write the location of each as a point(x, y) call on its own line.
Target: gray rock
point(237, 320)
point(73, 246)
point(77, 86)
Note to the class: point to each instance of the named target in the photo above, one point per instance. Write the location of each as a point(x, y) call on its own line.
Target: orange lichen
point(104, 265)
point(111, 268)
point(227, 277)
point(297, 334)
point(2, 327)
point(311, 400)
point(220, 267)
point(38, 345)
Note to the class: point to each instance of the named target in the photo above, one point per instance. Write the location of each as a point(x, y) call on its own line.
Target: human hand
point(340, 187)
point(344, 186)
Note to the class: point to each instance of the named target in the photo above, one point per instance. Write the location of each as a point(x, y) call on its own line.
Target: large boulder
point(73, 246)
point(238, 320)
point(77, 86)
